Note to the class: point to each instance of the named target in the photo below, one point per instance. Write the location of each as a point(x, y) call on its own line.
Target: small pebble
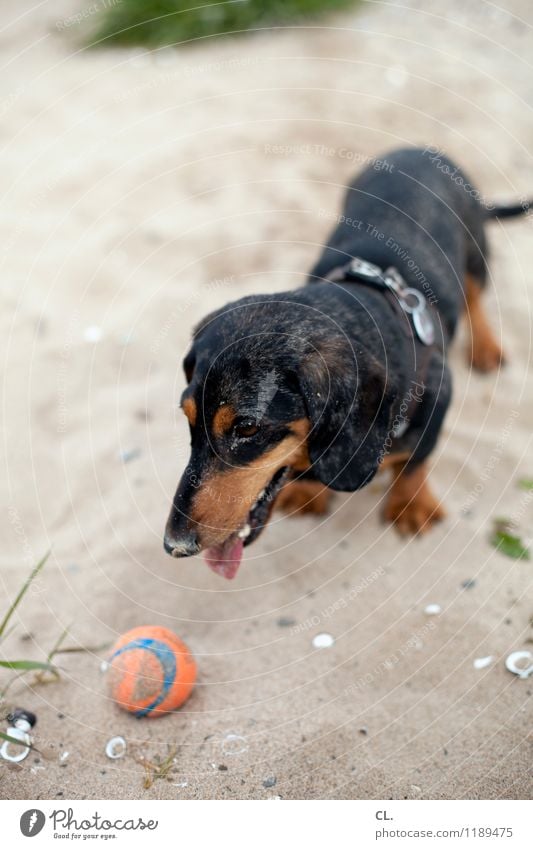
point(363, 730)
point(286, 622)
point(93, 333)
point(432, 609)
point(270, 782)
point(129, 454)
point(323, 641)
point(469, 583)
point(222, 767)
point(483, 662)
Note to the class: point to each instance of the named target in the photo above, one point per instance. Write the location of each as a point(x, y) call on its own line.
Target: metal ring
point(420, 300)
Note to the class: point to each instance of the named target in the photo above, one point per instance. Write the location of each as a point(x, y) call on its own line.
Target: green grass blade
point(57, 644)
point(16, 742)
point(26, 665)
point(12, 739)
point(83, 649)
point(35, 571)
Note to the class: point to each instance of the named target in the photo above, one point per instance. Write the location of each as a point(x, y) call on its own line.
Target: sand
point(141, 192)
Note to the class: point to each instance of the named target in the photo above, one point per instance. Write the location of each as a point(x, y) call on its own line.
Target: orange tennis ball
point(151, 671)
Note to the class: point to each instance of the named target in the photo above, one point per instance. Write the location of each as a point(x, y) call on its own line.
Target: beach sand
point(142, 191)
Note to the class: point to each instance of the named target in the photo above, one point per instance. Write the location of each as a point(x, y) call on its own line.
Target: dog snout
point(181, 544)
point(181, 537)
point(180, 540)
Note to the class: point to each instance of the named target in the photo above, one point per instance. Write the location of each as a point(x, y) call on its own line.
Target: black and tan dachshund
point(293, 394)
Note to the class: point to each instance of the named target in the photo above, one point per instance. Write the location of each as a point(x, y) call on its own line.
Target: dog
point(292, 395)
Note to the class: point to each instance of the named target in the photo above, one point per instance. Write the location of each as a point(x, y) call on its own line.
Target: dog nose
point(183, 545)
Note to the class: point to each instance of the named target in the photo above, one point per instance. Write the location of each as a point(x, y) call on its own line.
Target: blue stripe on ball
point(166, 658)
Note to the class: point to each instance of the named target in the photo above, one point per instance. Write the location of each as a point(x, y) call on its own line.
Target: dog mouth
point(225, 558)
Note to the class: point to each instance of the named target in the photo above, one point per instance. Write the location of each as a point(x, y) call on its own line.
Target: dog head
point(272, 390)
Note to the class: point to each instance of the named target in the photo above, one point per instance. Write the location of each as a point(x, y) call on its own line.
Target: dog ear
point(189, 364)
point(203, 326)
point(350, 403)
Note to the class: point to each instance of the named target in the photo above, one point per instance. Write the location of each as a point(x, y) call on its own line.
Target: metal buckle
point(414, 304)
point(424, 326)
point(365, 269)
point(411, 300)
point(394, 280)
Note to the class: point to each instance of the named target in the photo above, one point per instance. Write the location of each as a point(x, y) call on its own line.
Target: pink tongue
point(225, 559)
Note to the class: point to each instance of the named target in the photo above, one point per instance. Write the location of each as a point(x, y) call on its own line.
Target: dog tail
point(509, 211)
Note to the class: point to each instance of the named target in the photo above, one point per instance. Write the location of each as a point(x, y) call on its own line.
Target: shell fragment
point(520, 663)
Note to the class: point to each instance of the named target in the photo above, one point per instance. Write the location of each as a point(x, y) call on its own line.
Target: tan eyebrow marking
point(189, 408)
point(223, 419)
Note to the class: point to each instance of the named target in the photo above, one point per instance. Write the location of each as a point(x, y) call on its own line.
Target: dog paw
point(415, 515)
point(303, 497)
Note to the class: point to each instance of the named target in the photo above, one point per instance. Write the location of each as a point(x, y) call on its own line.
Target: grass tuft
point(21, 667)
point(155, 23)
point(46, 671)
point(506, 540)
point(24, 589)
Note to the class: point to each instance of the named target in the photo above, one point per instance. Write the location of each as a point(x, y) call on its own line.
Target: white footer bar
point(273, 824)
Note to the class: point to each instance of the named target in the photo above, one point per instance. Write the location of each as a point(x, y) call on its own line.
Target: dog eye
point(245, 430)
